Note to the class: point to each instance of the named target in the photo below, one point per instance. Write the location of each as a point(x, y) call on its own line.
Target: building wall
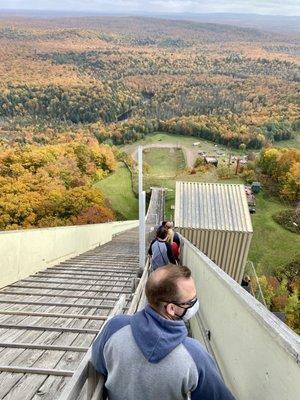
point(256, 352)
point(229, 250)
point(26, 252)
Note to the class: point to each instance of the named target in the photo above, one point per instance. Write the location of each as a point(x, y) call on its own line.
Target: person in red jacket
point(174, 245)
point(170, 225)
point(160, 250)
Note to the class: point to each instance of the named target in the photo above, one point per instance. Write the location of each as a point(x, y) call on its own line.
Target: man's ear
point(170, 309)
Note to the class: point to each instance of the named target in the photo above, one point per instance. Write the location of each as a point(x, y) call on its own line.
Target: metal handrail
point(261, 295)
point(138, 299)
point(86, 372)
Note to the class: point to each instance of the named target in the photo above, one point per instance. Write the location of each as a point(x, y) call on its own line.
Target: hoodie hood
point(156, 336)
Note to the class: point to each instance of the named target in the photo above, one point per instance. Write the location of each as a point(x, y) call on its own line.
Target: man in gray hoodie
point(148, 356)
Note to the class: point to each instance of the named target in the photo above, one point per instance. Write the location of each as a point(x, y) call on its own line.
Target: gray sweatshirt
point(147, 357)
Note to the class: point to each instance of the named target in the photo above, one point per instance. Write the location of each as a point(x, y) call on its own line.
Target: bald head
point(161, 273)
point(166, 284)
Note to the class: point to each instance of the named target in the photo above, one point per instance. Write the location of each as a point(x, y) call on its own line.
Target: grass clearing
point(117, 189)
point(272, 245)
point(164, 162)
point(289, 143)
point(167, 165)
point(187, 141)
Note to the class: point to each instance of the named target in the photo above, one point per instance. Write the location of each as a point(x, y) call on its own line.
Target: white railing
point(257, 353)
point(28, 251)
point(139, 298)
point(85, 374)
point(258, 293)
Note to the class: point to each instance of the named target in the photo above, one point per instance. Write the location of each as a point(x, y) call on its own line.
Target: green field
point(289, 143)
point(167, 166)
point(117, 189)
point(164, 162)
point(205, 145)
point(272, 245)
point(187, 141)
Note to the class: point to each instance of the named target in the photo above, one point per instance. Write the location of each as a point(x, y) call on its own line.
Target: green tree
point(292, 310)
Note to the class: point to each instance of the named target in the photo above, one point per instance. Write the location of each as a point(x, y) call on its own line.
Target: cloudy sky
point(273, 7)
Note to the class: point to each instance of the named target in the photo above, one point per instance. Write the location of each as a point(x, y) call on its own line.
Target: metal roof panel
point(213, 206)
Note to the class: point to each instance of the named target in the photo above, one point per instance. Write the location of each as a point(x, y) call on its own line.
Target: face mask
point(189, 312)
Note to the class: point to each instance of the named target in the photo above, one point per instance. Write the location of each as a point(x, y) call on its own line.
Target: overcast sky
point(273, 7)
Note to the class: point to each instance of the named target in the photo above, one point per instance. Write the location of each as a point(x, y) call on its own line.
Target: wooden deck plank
point(7, 381)
point(33, 385)
point(94, 283)
point(23, 382)
point(46, 358)
point(65, 289)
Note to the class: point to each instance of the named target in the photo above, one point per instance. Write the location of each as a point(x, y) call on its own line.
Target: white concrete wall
point(121, 226)
point(25, 252)
point(258, 354)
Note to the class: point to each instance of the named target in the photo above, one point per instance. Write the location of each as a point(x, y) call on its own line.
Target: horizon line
point(146, 12)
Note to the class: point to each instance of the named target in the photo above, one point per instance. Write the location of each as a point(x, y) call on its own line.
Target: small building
point(216, 219)
point(211, 161)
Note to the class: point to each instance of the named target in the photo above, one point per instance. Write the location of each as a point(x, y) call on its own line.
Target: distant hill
point(148, 30)
point(272, 23)
point(233, 85)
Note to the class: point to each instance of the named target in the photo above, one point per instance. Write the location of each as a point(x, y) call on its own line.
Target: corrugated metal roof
point(215, 206)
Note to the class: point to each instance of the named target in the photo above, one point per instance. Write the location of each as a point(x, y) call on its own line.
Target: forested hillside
point(52, 185)
point(227, 84)
point(70, 81)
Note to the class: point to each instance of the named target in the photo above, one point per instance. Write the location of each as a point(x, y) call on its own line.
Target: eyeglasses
point(189, 303)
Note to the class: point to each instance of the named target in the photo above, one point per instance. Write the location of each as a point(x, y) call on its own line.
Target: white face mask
point(190, 312)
